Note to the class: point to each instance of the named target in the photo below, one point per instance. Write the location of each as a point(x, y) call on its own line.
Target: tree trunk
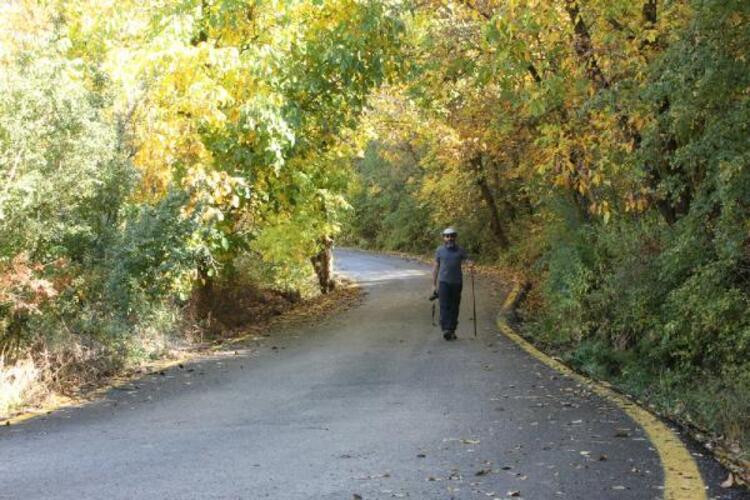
point(202, 302)
point(322, 262)
point(496, 225)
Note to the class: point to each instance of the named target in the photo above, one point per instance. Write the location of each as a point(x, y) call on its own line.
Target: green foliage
point(64, 176)
point(155, 254)
point(148, 149)
point(65, 179)
point(386, 214)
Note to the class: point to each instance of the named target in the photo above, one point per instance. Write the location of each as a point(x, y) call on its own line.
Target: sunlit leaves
point(153, 143)
point(258, 92)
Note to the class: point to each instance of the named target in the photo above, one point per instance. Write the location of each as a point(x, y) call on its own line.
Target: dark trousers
point(449, 295)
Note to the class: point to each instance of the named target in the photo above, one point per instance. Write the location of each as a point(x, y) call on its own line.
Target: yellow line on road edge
point(682, 479)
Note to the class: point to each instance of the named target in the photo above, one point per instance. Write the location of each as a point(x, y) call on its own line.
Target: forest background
point(154, 152)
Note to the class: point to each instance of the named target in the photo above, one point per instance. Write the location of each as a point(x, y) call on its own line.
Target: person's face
point(449, 239)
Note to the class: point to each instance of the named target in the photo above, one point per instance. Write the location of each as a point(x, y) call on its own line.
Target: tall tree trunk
point(322, 262)
point(496, 225)
point(203, 295)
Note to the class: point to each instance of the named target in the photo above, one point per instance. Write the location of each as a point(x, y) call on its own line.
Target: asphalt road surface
point(370, 402)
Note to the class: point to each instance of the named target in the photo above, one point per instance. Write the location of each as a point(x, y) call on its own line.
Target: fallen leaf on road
point(514, 493)
point(482, 472)
point(618, 487)
point(728, 482)
point(376, 476)
point(421, 455)
point(470, 441)
point(356, 497)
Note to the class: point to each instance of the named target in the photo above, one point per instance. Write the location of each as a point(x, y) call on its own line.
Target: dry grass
point(19, 384)
point(45, 376)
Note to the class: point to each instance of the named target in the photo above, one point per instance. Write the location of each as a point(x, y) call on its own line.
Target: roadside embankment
point(42, 382)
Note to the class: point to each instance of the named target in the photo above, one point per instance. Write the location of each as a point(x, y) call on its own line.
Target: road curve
point(371, 402)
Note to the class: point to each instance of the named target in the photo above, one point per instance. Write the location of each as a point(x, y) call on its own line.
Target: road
point(370, 402)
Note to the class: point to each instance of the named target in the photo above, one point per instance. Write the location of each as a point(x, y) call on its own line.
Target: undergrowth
point(68, 365)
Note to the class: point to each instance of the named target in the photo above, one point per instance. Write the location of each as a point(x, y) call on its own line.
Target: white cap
point(449, 230)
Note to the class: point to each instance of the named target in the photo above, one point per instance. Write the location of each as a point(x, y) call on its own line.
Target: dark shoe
point(447, 335)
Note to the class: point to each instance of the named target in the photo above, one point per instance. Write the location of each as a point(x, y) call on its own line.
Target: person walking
point(447, 281)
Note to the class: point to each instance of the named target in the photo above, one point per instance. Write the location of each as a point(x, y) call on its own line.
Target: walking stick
point(474, 301)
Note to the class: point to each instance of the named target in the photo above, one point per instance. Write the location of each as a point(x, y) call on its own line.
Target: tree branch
point(584, 47)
